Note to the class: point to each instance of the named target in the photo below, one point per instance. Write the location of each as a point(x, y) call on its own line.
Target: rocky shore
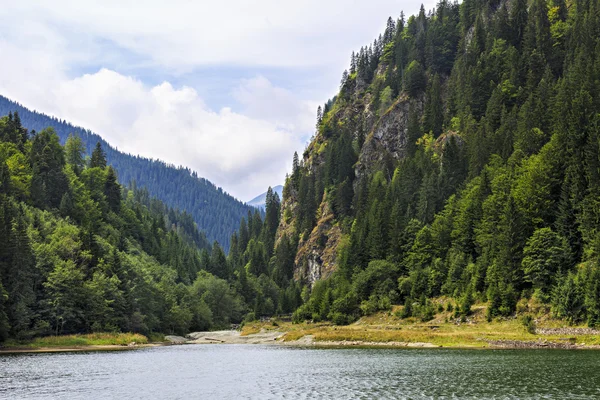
point(566, 344)
point(226, 337)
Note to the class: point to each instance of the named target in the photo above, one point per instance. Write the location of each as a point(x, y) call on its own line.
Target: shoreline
point(309, 342)
point(73, 349)
point(278, 337)
point(379, 331)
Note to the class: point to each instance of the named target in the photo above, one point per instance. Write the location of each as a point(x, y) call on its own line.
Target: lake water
point(274, 372)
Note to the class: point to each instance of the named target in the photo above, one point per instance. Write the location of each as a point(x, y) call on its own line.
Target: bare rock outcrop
point(389, 137)
point(317, 256)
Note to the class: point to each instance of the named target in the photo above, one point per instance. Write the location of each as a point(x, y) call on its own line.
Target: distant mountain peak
point(260, 200)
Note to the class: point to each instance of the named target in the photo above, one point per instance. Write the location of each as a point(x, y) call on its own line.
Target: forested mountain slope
point(460, 158)
point(459, 163)
point(80, 253)
point(216, 212)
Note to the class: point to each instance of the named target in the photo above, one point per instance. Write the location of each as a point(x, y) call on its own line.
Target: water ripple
point(270, 372)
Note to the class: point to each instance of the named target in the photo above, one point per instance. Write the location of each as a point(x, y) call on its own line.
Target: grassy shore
point(78, 342)
point(443, 331)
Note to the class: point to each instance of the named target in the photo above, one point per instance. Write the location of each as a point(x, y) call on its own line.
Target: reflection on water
point(273, 372)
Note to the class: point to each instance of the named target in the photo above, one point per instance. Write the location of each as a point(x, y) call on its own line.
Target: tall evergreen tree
point(98, 159)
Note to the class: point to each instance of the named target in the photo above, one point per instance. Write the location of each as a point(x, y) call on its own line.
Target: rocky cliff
point(379, 136)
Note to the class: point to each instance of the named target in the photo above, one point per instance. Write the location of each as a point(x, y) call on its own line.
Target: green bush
point(528, 323)
point(250, 317)
point(301, 314)
point(407, 311)
point(340, 318)
point(427, 312)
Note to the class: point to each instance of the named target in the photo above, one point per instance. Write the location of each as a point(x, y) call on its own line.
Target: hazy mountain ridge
point(217, 213)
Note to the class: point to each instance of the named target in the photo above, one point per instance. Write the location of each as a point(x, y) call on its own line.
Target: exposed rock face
point(317, 256)
point(289, 205)
point(386, 138)
point(389, 137)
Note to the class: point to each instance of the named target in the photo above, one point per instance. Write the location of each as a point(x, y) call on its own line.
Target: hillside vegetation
point(460, 158)
point(217, 213)
point(79, 253)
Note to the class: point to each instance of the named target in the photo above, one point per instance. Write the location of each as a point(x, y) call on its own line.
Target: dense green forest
point(80, 253)
point(460, 158)
point(216, 212)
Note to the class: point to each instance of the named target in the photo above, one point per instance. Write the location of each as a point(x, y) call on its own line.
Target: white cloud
point(260, 99)
point(183, 33)
point(243, 153)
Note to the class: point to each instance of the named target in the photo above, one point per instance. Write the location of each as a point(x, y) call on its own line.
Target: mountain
point(458, 164)
point(260, 201)
point(216, 212)
point(79, 253)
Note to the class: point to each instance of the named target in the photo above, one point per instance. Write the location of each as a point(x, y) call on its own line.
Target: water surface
point(274, 372)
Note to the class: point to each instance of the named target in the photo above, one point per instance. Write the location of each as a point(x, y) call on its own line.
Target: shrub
point(250, 317)
point(426, 312)
point(301, 314)
point(407, 311)
point(528, 323)
point(340, 318)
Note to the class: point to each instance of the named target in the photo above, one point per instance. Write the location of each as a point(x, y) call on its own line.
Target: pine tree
point(98, 159)
point(4, 178)
point(415, 78)
point(4, 324)
point(74, 151)
point(48, 182)
point(19, 280)
point(66, 205)
point(112, 190)
point(518, 21)
point(218, 262)
point(434, 113)
point(320, 111)
point(296, 171)
point(271, 222)
point(390, 31)
point(244, 235)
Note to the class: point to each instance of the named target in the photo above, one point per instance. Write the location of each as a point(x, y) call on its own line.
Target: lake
point(278, 372)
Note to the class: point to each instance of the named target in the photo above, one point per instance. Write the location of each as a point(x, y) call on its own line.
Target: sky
point(227, 88)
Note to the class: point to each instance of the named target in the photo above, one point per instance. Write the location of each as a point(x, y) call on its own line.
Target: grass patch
point(253, 327)
point(444, 330)
point(156, 337)
point(91, 339)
